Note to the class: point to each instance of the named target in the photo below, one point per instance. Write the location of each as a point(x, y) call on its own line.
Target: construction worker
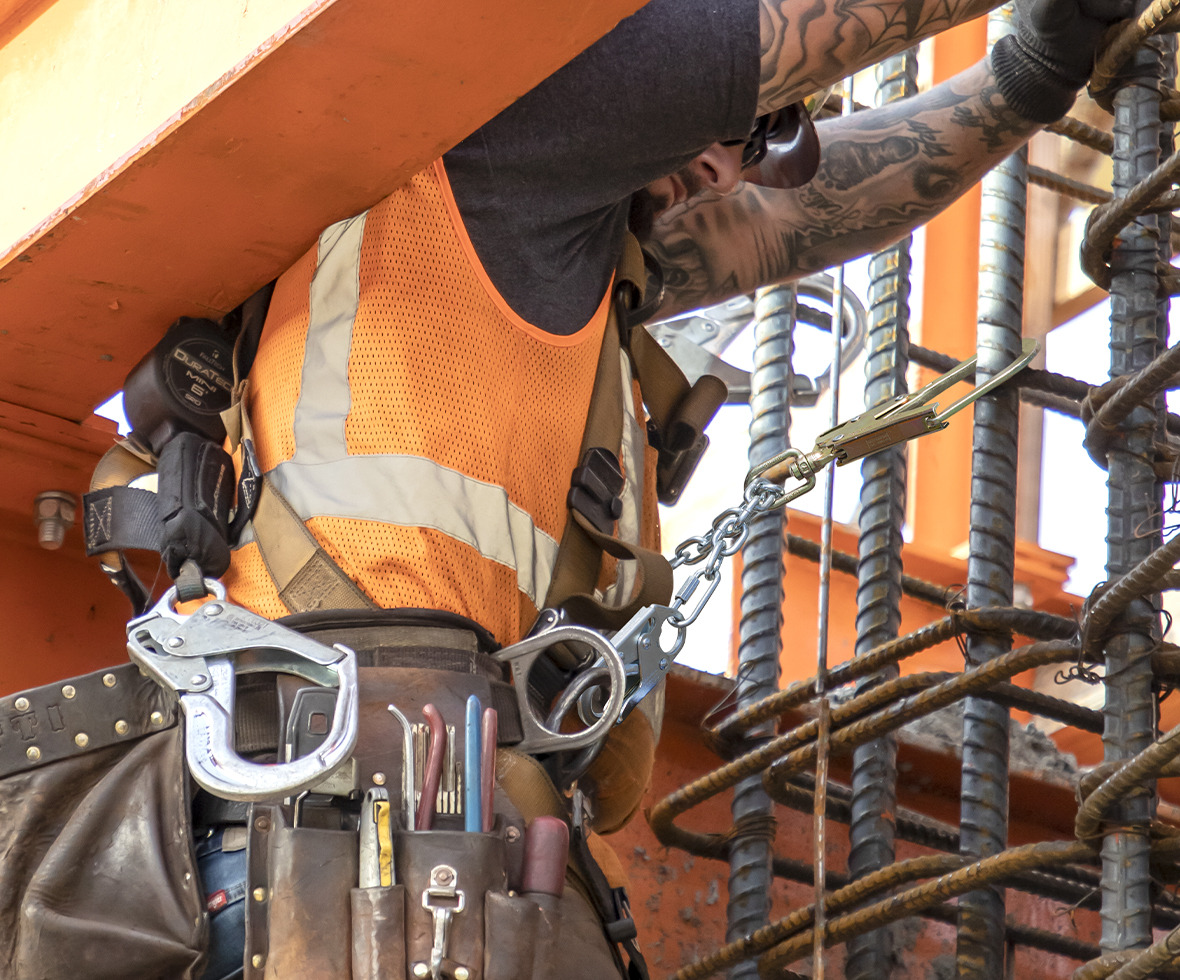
point(421, 389)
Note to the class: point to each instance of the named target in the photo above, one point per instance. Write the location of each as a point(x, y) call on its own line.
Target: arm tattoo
point(882, 173)
point(809, 44)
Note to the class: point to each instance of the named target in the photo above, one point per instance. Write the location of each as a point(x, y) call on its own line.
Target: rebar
point(991, 559)
point(761, 619)
point(1134, 505)
point(879, 572)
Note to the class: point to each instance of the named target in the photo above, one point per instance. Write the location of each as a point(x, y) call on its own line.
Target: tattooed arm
point(808, 45)
point(882, 173)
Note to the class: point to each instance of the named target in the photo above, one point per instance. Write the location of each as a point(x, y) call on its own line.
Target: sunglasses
point(770, 126)
point(792, 129)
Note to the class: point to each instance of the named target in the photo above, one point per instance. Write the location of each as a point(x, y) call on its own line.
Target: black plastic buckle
point(595, 487)
point(249, 488)
point(675, 468)
point(623, 928)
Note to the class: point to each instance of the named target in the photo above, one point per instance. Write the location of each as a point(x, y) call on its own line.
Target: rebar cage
point(1122, 853)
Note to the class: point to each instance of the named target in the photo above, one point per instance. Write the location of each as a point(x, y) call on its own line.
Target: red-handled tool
point(487, 767)
point(546, 850)
point(434, 765)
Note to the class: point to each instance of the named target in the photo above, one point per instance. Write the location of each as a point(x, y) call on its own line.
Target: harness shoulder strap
point(678, 413)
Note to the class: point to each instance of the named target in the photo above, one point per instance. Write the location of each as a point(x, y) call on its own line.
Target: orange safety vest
point(421, 429)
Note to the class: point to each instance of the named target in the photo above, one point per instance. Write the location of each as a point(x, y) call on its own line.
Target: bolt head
point(421, 970)
point(259, 894)
point(21, 704)
point(157, 718)
point(257, 960)
point(462, 973)
point(68, 692)
point(378, 779)
point(121, 727)
point(109, 680)
point(213, 608)
point(262, 824)
point(32, 753)
point(663, 663)
point(81, 740)
point(197, 680)
point(174, 642)
point(512, 834)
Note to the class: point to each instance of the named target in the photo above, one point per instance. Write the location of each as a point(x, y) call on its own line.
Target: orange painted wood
point(318, 125)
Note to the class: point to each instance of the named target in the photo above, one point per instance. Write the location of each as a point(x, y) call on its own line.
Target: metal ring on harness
point(539, 738)
point(198, 656)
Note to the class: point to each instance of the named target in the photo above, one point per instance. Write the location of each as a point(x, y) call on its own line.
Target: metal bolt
point(109, 680)
point(213, 609)
point(421, 970)
point(68, 692)
point(663, 663)
point(462, 973)
point(174, 641)
point(53, 513)
point(378, 779)
point(259, 894)
point(262, 824)
point(32, 753)
point(512, 834)
point(21, 704)
point(156, 718)
point(121, 727)
point(443, 875)
point(257, 960)
point(81, 740)
point(198, 679)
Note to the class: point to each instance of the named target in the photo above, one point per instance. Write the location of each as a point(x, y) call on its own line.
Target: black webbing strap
point(611, 905)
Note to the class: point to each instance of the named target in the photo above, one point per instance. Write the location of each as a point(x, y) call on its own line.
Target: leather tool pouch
point(98, 877)
point(306, 917)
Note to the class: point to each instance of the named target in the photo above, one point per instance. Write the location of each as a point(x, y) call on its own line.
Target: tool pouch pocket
point(95, 836)
point(297, 912)
point(379, 933)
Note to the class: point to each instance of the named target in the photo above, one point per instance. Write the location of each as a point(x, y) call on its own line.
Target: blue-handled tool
point(472, 759)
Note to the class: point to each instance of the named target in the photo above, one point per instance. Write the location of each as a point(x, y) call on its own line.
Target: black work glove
point(196, 483)
point(1040, 68)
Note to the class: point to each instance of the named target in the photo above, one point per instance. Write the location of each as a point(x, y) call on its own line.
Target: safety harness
point(188, 519)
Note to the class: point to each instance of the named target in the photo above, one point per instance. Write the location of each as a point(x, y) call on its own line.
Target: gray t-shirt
point(544, 187)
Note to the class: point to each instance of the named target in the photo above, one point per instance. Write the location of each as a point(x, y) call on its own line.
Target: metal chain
point(729, 532)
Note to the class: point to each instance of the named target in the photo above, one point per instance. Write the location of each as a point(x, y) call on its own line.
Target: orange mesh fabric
point(439, 368)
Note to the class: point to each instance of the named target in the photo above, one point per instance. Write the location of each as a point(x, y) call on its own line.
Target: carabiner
point(198, 655)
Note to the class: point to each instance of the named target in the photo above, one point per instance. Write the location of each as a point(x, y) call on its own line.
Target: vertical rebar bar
point(760, 627)
point(878, 591)
point(991, 561)
point(1134, 499)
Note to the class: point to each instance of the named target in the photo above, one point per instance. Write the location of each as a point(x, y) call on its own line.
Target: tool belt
point(96, 825)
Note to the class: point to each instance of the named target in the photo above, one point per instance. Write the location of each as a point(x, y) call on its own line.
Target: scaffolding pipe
point(1134, 504)
point(759, 630)
point(980, 951)
point(879, 569)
